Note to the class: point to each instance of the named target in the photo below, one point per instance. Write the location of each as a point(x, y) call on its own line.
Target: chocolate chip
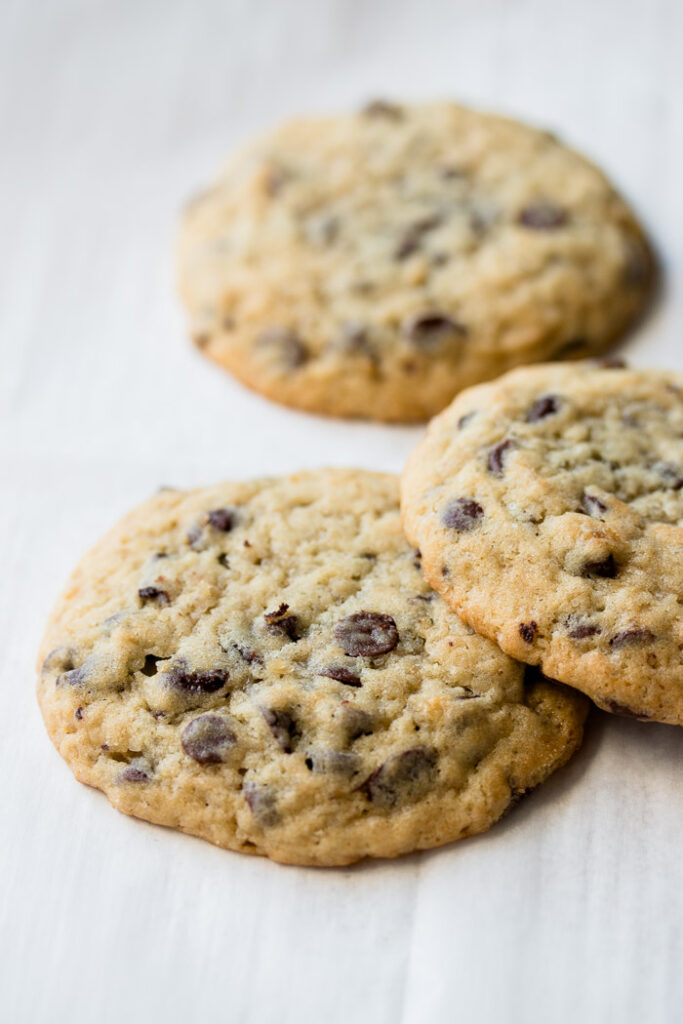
point(334, 762)
point(546, 405)
point(179, 677)
point(342, 675)
point(615, 707)
point(670, 474)
point(495, 462)
point(223, 560)
point(355, 721)
point(60, 659)
point(627, 637)
point(606, 568)
point(592, 505)
point(75, 677)
point(153, 594)
point(528, 631)
point(542, 216)
point(366, 634)
point(383, 108)
point(413, 236)
point(286, 343)
point(283, 726)
point(582, 631)
point(402, 777)
point(207, 739)
point(280, 622)
point(462, 515)
point(261, 803)
point(78, 713)
point(194, 534)
point(150, 666)
point(222, 519)
point(248, 655)
point(425, 329)
point(464, 420)
point(132, 774)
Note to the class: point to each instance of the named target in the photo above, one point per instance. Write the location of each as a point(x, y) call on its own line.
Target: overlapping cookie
point(375, 264)
point(264, 665)
point(548, 506)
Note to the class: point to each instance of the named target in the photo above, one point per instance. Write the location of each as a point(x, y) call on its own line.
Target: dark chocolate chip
point(583, 631)
point(342, 675)
point(194, 534)
point(425, 329)
point(495, 462)
point(208, 739)
point(670, 474)
point(606, 568)
point(636, 635)
point(283, 726)
point(78, 713)
point(383, 108)
point(334, 762)
point(528, 631)
point(366, 634)
point(615, 707)
point(413, 236)
point(179, 677)
point(286, 343)
point(464, 420)
point(462, 515)
point(542, 216)
point(222, 519)
point(280, 622)
point(546, 405)
point(355, 721)
point(75, 677)
point(592, 505)
point(132, 774)
point(153, 594)
point(402, 777)
point(262, 804)
point(224, 561)
point(248, 655)
point(150, 666)
point(60, 659)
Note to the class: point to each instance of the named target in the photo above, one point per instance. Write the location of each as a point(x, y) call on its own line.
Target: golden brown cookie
point(548, 506)
point(263, 665)
point(376, 263)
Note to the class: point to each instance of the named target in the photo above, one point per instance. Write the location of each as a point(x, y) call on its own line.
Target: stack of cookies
point(287, 667)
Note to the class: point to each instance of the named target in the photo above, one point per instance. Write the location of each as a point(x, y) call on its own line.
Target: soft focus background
point(111, 115)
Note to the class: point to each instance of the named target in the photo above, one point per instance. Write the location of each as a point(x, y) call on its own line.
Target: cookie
point(548, 506)
point(374, 264)
point(263, 665)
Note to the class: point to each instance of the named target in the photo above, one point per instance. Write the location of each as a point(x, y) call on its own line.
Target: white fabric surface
point(111, 114)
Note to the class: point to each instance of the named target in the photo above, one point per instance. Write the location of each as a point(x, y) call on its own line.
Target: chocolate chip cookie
point(374, 264)
point(263, 665)
point(549, 509)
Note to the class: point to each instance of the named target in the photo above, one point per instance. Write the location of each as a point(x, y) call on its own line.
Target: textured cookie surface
point(374, 264)
point(263, 665)
point(548, 507)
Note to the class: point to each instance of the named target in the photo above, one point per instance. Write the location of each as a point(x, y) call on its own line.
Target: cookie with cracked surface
point(374, 264)
point(549, 509)
point(263, 665)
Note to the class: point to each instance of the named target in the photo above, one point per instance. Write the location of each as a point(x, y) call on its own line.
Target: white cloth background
point(111, 114)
